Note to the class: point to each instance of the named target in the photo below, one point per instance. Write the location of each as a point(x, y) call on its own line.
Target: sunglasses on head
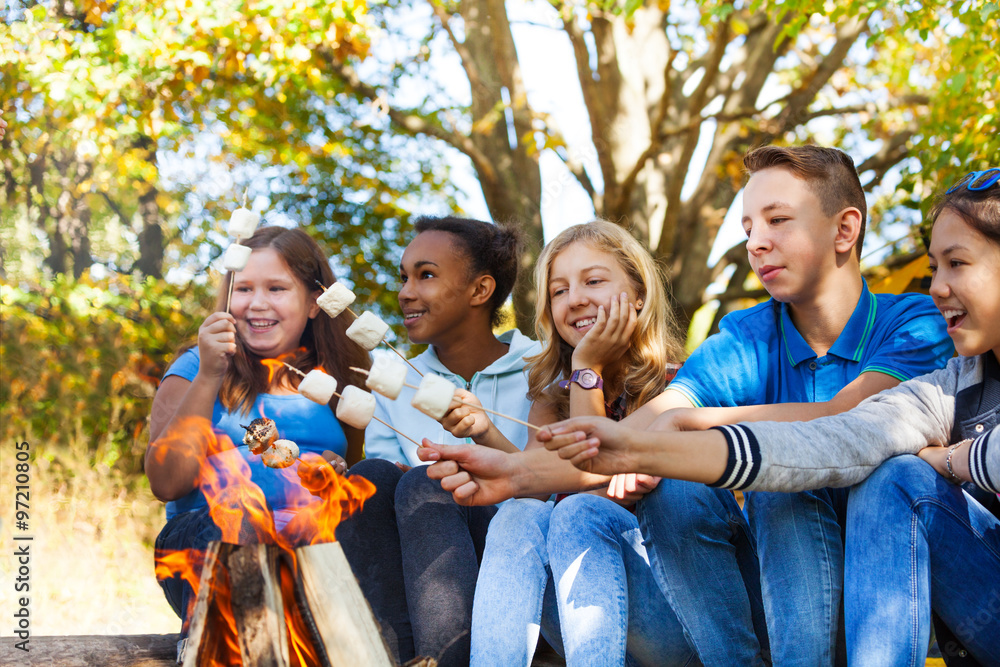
point(977, 181)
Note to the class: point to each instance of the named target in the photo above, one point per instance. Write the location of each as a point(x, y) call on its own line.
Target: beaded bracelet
point(947, 464)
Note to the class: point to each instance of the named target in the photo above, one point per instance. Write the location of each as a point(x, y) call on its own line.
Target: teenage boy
point(821, 345)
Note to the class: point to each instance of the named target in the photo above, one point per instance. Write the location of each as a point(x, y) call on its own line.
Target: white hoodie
point(501, 386)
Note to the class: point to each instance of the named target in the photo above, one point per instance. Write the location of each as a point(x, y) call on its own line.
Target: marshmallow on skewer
point(281, 454)
point(318, 386)
point(236, 257)
point(356, 407)
point(433, 396)
point(386, 376)
point(335, 299)
point(260, 435)
point(368, 330)
point(243, 223)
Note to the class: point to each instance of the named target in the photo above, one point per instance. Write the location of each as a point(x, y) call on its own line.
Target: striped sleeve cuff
point(744, 458)
point(977, 461)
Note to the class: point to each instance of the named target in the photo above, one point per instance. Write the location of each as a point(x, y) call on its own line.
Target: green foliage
point(82, 359)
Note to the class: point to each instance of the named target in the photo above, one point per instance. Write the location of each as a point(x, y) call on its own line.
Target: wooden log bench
point(128, 651)
point(94, 650)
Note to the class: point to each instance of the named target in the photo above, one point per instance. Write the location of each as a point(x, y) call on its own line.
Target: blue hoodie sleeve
point(381, 442)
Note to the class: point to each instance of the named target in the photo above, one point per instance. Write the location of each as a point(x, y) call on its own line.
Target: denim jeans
point(610, 609)
point(915, 541)
point(515, 596)
point(442, 544)
point(605, 608)
point(800, 545)
point(369, 539)
point(704, 560)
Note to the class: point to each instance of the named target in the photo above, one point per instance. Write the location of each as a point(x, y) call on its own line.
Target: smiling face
point(581, 279)
point(966, 284)
point(271, 305)
point(436, 290)
point(791, 244)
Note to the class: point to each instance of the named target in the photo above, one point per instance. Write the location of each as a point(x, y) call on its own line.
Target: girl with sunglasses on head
point(923, 534)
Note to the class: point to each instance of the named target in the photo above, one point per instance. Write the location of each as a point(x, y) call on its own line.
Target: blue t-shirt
point(759, 357)
point(311, 426)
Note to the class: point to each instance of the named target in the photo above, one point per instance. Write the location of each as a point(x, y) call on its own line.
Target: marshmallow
point(386, 376)
point(434, 395)
point(356, 407)
point(243, 223)
point(368, 330)
point(335, 299)
point(236, 257)
point(281, 454)
point(318, 386)
point(261, 434)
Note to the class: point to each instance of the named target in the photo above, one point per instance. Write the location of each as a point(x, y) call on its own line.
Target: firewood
point(347, 629)
point(257, 605)
point(207, 638)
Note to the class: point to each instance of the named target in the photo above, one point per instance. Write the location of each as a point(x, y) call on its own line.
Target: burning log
point(246, 614)
point(257, 605)
point(347, 631)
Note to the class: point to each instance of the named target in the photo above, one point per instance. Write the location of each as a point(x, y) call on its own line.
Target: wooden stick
point(293, 368)
point(232, 279)
point(461, 402)
point(355, 315)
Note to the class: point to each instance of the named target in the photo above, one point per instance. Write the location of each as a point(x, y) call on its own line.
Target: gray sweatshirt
point(844, 449)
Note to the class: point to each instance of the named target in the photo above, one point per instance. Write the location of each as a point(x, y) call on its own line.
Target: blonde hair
point(655, 342)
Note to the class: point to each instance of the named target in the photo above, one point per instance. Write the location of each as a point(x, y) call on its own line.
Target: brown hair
point(655, 342)
point(324, 341)
point(979, 209)
point(830, 173)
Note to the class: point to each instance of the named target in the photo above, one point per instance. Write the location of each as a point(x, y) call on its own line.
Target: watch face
point(588, 379)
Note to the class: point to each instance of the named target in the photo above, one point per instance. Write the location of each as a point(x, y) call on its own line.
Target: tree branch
point(468, 62)
point(410, 123)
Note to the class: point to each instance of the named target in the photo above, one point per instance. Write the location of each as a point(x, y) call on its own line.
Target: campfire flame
point(318, 496)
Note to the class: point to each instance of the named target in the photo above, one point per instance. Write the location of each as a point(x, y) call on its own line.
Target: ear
point(314, 307)
point(482, 289)
point(848, 229)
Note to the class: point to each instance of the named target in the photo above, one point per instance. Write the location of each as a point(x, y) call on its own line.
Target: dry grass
point(92, 552)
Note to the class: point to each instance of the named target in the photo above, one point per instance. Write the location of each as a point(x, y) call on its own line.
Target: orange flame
point(318, 496)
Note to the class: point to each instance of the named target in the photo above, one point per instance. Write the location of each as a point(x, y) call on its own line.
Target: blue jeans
point(800, 545)
point(610, 610)
point(442, 544)
point(915, 541)
point(515, 596)
point(704, 560)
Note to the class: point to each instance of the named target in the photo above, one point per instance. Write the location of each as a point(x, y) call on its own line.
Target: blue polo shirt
point(311, 426)
point(759, 357)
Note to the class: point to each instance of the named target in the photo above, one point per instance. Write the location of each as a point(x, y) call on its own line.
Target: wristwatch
point(587, 378)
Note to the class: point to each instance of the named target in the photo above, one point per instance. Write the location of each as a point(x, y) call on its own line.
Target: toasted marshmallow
point(368, 330)
point(318, 386)
point(355, 407)
point(243, 223)
point(386, 376)
point(236, 257)
point(281, 454)
point(335, 299)
point(261, 434)
point(434, 395)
